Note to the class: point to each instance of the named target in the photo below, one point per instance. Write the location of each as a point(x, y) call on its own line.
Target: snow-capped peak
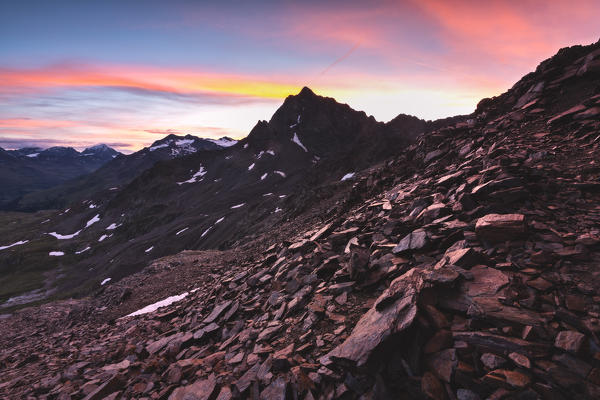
point(224, 141)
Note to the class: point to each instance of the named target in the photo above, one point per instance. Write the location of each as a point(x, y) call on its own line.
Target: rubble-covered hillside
point(465, 267)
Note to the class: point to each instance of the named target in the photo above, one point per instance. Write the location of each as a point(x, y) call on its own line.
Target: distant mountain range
point(33, 179)
point(30, 169)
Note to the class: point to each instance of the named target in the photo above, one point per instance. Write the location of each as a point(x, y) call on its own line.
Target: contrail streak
point(340, 59)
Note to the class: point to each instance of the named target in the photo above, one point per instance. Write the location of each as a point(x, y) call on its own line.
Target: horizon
point(80, 74)
point(82, 148)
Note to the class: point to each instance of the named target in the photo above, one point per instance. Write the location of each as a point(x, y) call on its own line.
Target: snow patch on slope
point(20, 242)
point(201, 172)
point(63, 237)
point(158, 146)
point(181, 231)
point(296, 140)
point(297, 122)
point(349, 175)
point(155, 306)
point(92, 221)
point(83, 251)
point(223, 142)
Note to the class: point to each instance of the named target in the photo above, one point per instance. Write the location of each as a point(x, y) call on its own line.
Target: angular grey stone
point(415, 240)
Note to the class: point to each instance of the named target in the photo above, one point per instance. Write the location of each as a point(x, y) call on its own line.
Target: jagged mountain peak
point(178, 145)
point(316, 118)
point(174, 140)
point(98, 147)
point(100, 150)
point(306, 92)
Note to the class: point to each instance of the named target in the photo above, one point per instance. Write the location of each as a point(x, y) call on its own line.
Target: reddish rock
point(373, 328)
point(571, 341)
point(203, 389)
point(567, 114)
point(216, 312)
point(432, 387)
point(416, 240)
point(540, 284)
point(115, 383)
point(513, 378)
point(492, 361)
point(500, 227)
point(520, 360)
point(225, 394)
point(442, 339)
point(443, 364)
point(275, 391)
point(465, 258)
point(575, 303)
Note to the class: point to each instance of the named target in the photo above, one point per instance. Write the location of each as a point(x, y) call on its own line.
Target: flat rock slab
point(393, 312)
point(157, 345)
point(486, 281)
point(217, 311)
point(500, 227)
point(373, 328)
point(115, 383)
point(200, 390)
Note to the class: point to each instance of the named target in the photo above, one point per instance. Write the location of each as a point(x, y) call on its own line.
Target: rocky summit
point(463, 267)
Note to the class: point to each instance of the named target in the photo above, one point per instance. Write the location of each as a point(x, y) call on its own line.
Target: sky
point(128, 72)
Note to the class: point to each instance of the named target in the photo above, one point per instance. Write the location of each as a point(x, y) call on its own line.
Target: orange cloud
point(182, 81)
point(514, 32)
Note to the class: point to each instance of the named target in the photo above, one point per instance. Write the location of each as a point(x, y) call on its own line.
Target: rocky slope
point(463, 268)
point(32, 169)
